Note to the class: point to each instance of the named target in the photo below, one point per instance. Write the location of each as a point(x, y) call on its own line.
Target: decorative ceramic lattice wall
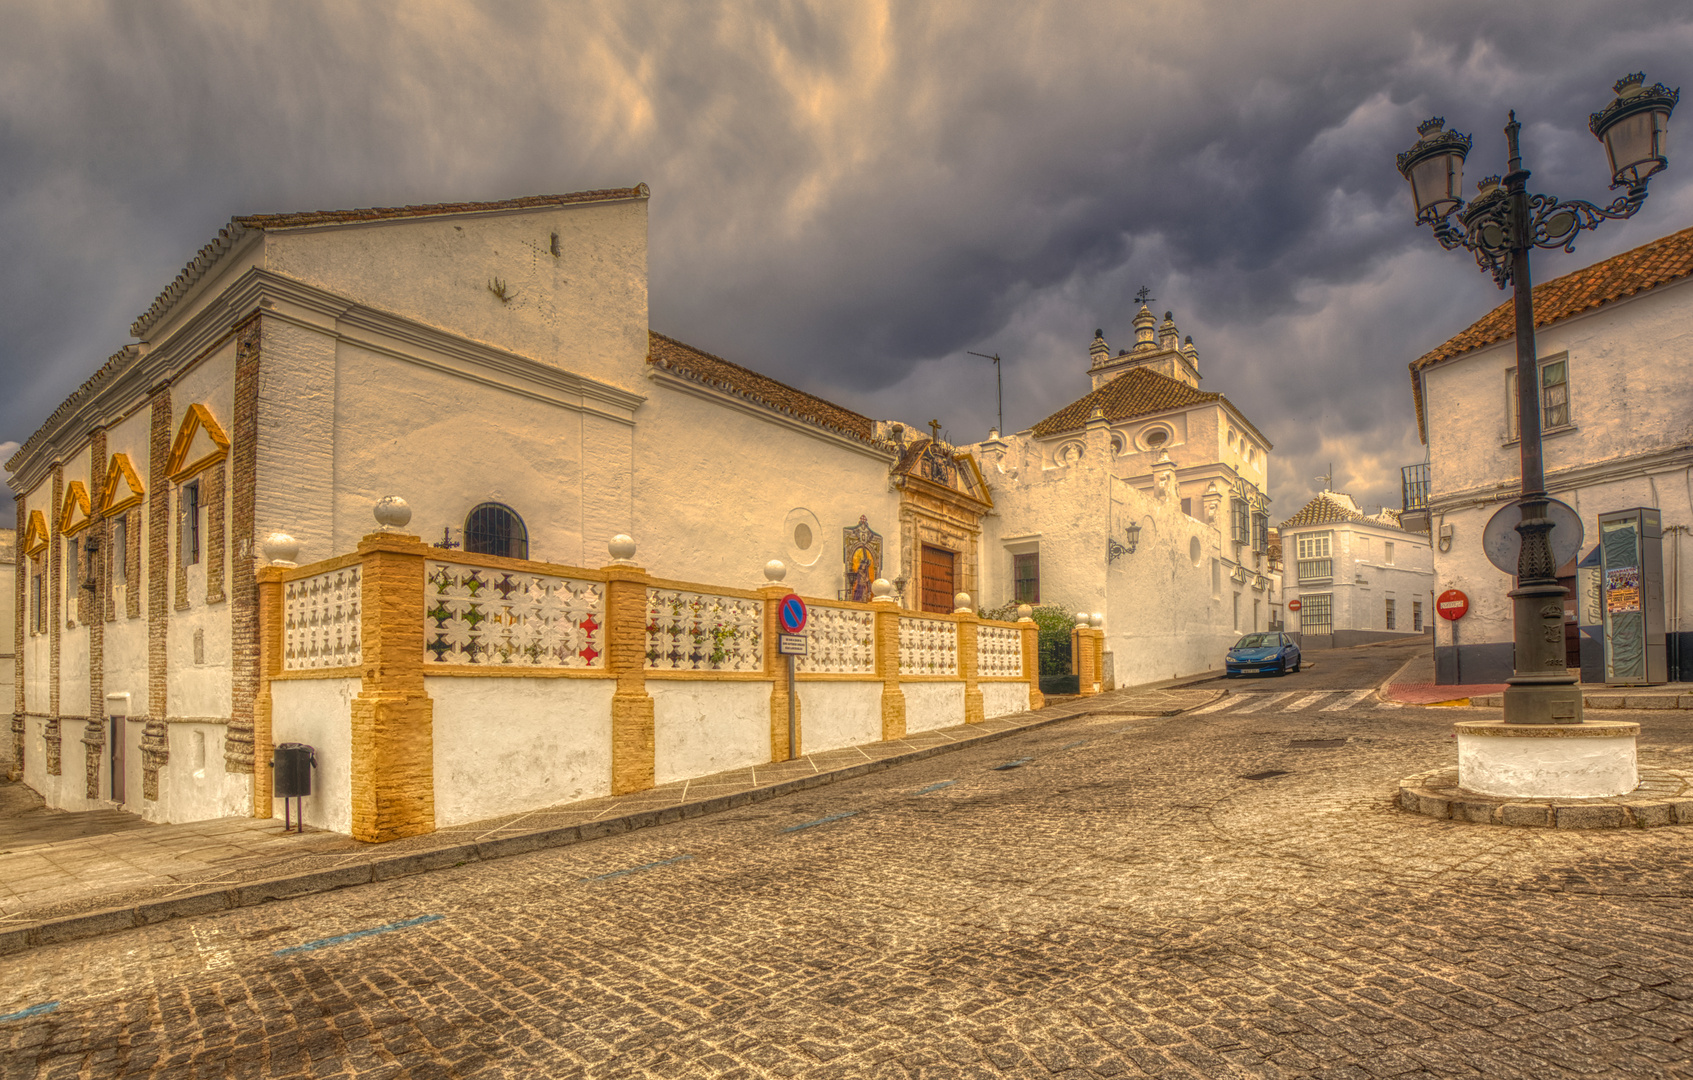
point(320, 621)
point(999, 651)
point(689, 631)
point(927, 647)
point(843, 642)
point(474, 615)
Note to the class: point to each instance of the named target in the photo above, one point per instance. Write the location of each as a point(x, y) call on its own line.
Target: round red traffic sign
point(1293, 605)
point(792, 613)
point(1452, 604)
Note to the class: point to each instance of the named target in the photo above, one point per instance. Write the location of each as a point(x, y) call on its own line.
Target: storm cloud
point(851, 197)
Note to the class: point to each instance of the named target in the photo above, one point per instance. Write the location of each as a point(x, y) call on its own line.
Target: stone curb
point(15, 939)
point(1664, 797)
point(1605, 701)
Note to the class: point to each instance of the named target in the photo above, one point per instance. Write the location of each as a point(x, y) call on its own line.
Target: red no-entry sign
point(1293, 605)
point(1452, 604)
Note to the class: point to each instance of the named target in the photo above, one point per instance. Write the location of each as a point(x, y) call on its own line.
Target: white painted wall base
point(1552, 761)
point(837, 714)
point(1003, 698)
point(706, 727)
point(507, 745)
point(319, 713)
point(931, 705)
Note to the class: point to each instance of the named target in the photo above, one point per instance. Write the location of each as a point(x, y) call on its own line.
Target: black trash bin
point(291, 778)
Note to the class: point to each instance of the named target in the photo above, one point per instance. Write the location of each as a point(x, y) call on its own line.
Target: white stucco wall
point(706, 727)
point(931, 705)
point(510, 744)
point(193, 785)
point(1002, 699)
point(837, 714)
point(1362, 579)
point(319, 713)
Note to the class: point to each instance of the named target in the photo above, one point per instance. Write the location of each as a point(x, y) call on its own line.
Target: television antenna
point(999, 387)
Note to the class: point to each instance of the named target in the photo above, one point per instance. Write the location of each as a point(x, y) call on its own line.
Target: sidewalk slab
point(99, 884)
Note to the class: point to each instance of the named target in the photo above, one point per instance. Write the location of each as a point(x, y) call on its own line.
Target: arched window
point(493, 529)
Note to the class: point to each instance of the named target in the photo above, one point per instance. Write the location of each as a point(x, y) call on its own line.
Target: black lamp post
point(1500, 226)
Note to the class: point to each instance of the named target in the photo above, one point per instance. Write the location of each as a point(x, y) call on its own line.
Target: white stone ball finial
point(280, 549)
point(1081, 618)
point(1096, 620)
point(775, 570)
point(961, 603)
point(1025, 613)
point(881, 591)
point(622, 548)
point(391, 513)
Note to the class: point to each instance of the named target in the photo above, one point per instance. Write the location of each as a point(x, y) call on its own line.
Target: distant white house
point(1614, 341)
point(1357, 578)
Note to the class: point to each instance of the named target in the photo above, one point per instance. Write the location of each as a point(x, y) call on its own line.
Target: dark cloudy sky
point(850, 196)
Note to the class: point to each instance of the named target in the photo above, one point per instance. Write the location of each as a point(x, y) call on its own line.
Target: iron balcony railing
point(1413, 487)
point(1315, 569)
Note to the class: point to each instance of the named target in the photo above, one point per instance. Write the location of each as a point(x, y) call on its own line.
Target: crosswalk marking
point(1306, 701)
point(1216, 706)
point(1264, 701)
point(1348, 701)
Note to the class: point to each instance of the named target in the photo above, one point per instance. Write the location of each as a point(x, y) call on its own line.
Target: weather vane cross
point(1145, 296)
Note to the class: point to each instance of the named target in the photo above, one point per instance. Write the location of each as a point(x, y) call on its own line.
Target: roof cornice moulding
point(1650, 463)
point(677, 381)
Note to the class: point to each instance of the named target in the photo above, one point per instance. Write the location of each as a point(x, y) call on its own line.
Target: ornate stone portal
point(942, 500)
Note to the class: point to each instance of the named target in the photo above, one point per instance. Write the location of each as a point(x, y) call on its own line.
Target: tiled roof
point(238, 227)
point(1664, 260)
point(1325, 509)
point(116, 363)
point(719, 374)
point(1136, 392)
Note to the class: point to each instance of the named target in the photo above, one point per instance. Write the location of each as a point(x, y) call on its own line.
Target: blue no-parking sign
point(791, 614)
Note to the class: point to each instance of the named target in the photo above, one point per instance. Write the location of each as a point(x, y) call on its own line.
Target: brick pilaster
point(155, 737)
point(94, 729)
point(776, 666)
point(632, 747)
point(133, 578)
point(213, 489)
point(393, 737)
point(887, 669)
point(241, 750)
point(55, 622)
point(1085, 658)
point(1031, 661)
point(268, 624)
point(975, 711)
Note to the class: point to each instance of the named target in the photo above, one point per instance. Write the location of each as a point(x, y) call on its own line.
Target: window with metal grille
point(495, 529)
point(1025, 577)
point(1239, 530)
point(73, 580)
point(38, 602)
point(1554, 396)
point(1315, 613)
point(1390, 624)
point(1260, 532)
point(1417, 616)
point(188, 527)
point(119, 553)
point(1314, 561)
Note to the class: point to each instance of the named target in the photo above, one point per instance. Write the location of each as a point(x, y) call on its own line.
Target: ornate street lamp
point(1500, 226)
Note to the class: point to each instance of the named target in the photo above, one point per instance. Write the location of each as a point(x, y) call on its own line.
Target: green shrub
point(1053, 623)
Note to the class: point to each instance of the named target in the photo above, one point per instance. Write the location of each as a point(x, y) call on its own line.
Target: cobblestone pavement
point(1103, 897)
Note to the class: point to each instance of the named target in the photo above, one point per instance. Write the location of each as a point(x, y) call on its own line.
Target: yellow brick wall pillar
point(776, 666)
point(887, 669)
point(1099, 657)
point(1085, 659)
point(269, 602)
point(632, 761)
point(968, 625)
point(393, 745)
point(1031, 661)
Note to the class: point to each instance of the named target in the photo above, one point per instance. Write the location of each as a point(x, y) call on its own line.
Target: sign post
point(791, 614)
point(1453, 605)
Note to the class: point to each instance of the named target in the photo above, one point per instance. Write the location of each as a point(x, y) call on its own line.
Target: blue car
point(1262, 654)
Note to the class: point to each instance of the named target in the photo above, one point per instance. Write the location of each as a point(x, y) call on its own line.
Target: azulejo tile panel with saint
point(320, 621)
point(477, 615)
point(843, 642)
point(999, 651)
point(689, 631)
point(927, 646)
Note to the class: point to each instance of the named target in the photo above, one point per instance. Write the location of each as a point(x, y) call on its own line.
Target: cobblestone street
point(1103, 897)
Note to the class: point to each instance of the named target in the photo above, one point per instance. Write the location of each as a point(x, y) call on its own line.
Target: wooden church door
point(940, 579)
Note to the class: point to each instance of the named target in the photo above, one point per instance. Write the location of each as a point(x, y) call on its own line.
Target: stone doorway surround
point(942, 501)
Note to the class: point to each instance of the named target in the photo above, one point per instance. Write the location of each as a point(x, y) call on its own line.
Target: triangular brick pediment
point(123, 487)
point(200, 444)
point(35, 533)
point(76, 514)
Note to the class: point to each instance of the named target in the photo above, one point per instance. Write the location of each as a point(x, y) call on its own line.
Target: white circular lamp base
point(1593, 759)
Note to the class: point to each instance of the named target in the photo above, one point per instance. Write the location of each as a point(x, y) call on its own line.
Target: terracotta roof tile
point(238, 227)
point(1664, 260)
point(719, 374)
point(1337, 508)
point(1136, 392)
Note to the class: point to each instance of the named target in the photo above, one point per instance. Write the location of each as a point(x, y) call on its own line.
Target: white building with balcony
point(1357, 578)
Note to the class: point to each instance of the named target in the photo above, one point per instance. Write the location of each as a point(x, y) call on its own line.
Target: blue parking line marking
point(934, 787)
point(342, 939)
point(820, 821)
point(638, 869)
point(1018, 764)
point(33, 1010)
